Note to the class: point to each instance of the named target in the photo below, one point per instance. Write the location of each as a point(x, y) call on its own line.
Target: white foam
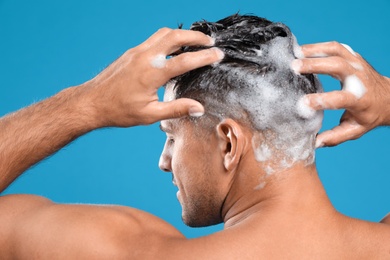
point(303, 108)
point(269, 170)
point(288, 125)
point(297, 49)
point(196, 114)
point(259, 52)
point(263, 153)
point(279, 52)
point(353, 85)
point(314, 125)
point(320, 101)
point(285, 126)
point(270, 93)
point(260, 186)
point(159, 61)
point(348, 48)
point(356, 66)
point(169, 94)
point(319, 143)
point(212, 40)
point(296, 66)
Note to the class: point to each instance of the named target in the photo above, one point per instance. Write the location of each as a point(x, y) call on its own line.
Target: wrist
point(386, 107)
point(79, 104)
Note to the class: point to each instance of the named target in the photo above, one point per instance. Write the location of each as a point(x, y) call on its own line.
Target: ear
point(231, 142)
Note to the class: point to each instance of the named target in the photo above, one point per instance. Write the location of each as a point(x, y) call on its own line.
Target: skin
point(290, 218)
point(361, 115)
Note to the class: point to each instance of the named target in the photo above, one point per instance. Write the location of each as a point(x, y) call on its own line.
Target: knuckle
point(335, 45)
point(183, 59)
point(164, 30)
point(146, 118)
point(177, 113)
point(176, 110)
point(176, 36)
point(338, 48)
point(358, 55)
point(136, 57)
point(343, 98)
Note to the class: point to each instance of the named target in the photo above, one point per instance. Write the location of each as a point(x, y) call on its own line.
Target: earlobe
point(231, 142)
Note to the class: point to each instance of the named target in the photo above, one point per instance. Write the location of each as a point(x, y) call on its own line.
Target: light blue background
point(46, 46)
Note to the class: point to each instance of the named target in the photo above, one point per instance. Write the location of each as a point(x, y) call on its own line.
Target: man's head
point(253, 88)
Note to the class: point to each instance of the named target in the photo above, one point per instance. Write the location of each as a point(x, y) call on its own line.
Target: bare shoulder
point(369, 238)
point(36, 226)
point(386, 219)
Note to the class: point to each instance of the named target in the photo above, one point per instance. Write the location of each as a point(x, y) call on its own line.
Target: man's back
point(280, 228)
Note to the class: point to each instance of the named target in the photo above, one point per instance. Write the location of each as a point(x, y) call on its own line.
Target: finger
point(176, 109)
point(327, 49)
point(331, 100)
point(153, 38)
point(192, 60)
point(344, 132)
point(336, 67)
point(175, 39)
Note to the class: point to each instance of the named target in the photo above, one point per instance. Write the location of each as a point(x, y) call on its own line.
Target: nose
point(165, 161)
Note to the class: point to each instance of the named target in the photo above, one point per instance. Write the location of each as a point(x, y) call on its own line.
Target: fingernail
point(319, 143)
point(219, 52)
point(220, 55)
point(196, 112)
point(212, 41)
point(296, 66)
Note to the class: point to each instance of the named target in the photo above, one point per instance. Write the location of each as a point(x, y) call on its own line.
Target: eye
point(170, 140)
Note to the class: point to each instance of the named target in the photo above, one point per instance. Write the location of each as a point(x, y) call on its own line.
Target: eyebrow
point(167, 128)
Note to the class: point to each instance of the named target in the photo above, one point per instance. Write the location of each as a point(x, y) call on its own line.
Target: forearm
point(33, 133)
point(387, 107)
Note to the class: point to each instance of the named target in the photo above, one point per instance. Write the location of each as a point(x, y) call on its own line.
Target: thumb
point(178, 108)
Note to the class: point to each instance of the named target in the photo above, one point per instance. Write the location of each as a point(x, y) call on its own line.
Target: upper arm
point(35, 226)
point(386, 219)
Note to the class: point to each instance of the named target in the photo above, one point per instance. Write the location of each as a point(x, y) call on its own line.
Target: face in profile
point(190, 154)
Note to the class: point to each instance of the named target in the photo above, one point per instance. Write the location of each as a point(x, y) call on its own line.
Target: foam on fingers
point(349, 49)
point(297, 49)
point(303, 108)
point(296, 66)
point(159, 61)
point(353, 85)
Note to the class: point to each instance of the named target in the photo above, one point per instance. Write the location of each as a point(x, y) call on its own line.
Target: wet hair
point(254, 82)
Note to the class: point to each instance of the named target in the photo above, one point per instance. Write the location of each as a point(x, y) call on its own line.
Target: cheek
point(189, 169)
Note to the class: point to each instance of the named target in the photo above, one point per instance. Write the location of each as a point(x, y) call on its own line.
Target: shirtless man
point(228, 166)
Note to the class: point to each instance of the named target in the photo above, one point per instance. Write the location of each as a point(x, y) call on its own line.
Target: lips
point(174, 181)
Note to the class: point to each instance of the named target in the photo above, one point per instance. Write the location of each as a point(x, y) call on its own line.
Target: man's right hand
point(362, 112)
point(125, 93)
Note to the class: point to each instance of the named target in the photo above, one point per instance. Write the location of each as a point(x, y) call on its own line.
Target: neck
point(297, 190)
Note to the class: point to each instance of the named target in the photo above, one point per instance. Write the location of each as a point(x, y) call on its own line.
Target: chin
point(200, 219)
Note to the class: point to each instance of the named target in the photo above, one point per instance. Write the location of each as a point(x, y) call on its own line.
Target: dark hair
point(249, 45)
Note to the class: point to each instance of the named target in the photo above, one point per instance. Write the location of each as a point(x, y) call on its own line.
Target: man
point(241, 166)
